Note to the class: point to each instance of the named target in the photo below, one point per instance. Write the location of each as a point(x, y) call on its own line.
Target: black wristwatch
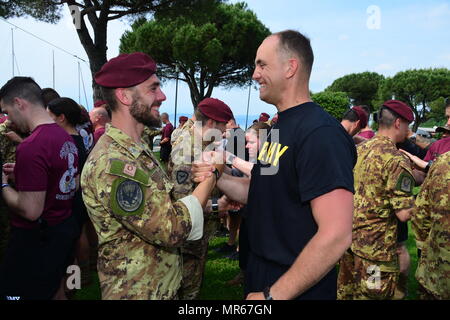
point(429, 164)
point(214, 205)
point(217, 174)
point(267, 294)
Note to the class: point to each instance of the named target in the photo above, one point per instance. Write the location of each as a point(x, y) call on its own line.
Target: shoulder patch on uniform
point(405, 182)
point(127, 197)
point(182, 176)
point(128, 170)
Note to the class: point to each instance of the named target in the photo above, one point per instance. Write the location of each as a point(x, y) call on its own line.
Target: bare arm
point(235, 188)
point(333, 213)
point(28, 205)
point(244, 166)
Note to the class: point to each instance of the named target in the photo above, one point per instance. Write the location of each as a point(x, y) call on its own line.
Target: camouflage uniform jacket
point(149, 134)
point(186, 149)
point(139, 225)
point(181, 131)
point(433, 270)
point(383, 185)
point(7, 147)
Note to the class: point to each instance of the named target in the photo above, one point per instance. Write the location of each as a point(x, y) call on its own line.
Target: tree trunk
point(95, 50)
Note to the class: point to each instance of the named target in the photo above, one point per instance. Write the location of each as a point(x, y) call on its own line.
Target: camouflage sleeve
point(433, 200)
point(7, 147)
point(179, 171)
point(400, 184)
point(140, 201)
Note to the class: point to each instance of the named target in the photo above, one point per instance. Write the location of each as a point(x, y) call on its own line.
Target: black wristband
point(214, 205)
point(429, 164)
point(217, 173)
point(267, 294)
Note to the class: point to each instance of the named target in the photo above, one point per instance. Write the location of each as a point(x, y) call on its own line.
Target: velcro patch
point(127, 197)
point(405, 182)
point(182, 176)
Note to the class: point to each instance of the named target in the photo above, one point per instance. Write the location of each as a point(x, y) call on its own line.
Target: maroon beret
point(99, 103)
point(362, 116)
point(126, 70)
point(264, 117)
point(183, 118)
point(401, 108)
point(215, 109)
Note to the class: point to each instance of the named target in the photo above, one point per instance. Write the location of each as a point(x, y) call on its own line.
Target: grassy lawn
point(219, 270)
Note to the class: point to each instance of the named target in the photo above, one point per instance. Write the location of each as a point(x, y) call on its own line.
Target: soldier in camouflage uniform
point(211, 113)
point(177, 132)
point(383, 191)
point(431, 221)
point(140, 225)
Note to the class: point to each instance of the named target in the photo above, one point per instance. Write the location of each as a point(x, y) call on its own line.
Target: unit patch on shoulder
point(127, 197)
point(405, 183)
point(182, 176)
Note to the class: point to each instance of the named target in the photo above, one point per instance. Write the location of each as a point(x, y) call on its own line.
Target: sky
point(346, 37)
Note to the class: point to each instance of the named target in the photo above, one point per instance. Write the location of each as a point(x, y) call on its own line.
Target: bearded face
point(145, 112)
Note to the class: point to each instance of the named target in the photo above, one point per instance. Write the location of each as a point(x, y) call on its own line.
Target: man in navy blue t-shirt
point(300, 197)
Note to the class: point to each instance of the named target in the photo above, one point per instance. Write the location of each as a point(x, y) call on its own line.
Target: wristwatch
point(4, 185)
point(267, 294)
point(429, 164)
point(214, 205)
point(217, 174)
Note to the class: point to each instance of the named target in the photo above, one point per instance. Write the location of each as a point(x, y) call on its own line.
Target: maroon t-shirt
point(369, 134)
point(437, 148)
point(167, 131)
point(98, 133)
point(47, 161)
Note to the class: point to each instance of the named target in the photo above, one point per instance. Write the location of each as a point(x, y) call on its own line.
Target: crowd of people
point(300, 193)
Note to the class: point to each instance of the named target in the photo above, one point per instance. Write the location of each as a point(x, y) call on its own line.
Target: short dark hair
point(447, 102)
point(69, 108)
point(22, 87)
point(297, 43)
point(386, 117)
point(199, 116)
point(49, 94)
point(110, 98)
point(350, 115)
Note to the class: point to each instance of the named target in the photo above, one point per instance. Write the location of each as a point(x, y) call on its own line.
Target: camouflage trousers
point(424, 294)
point(362, 279)
point(194, 260)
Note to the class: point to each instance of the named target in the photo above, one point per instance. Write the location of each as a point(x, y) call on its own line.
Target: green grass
point(218, 271)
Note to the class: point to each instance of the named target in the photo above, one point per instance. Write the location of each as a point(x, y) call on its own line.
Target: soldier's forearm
point(234, 188)
point(204, 189)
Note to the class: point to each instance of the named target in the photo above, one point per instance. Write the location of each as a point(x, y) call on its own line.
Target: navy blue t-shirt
point(312, 156)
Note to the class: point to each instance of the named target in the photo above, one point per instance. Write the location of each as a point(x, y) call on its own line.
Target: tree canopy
point(210, 48)
point(361, 88)
point(418, 88)
point(98, 14)
point(335, 103)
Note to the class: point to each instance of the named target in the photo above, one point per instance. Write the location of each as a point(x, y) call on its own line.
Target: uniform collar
point(124, 141)
point(384, 138)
